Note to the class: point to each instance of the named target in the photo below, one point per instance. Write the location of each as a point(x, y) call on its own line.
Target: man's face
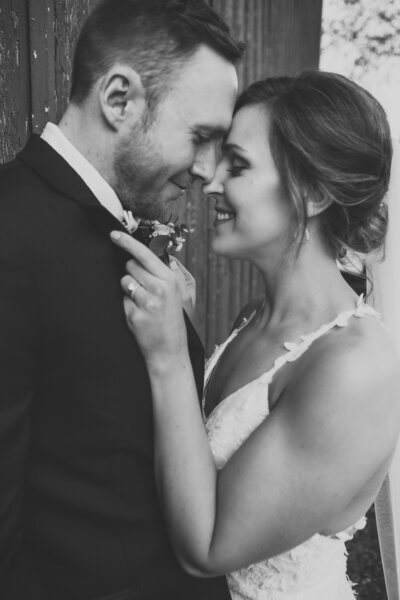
point(158, 160)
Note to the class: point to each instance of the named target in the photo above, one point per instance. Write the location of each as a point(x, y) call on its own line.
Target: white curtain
point(386, 299)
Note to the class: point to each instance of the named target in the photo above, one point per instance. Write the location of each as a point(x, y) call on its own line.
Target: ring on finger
point(133, 288)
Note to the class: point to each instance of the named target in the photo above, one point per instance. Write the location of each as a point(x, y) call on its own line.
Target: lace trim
point(294, 349)
point(347, 534)
point(314, 566)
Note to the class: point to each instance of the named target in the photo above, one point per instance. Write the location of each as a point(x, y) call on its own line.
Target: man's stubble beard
point(140, 174)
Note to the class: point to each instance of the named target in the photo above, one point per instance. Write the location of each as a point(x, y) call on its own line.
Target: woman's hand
point(153, 303)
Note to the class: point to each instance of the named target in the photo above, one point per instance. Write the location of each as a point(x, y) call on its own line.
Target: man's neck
point(89, 138)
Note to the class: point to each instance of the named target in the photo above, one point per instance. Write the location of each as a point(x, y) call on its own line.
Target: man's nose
point(216, 185)
point(205, 164)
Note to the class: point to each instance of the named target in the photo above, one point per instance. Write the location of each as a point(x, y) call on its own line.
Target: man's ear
point(121, 96)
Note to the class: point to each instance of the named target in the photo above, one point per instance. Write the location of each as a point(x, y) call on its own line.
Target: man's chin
point(165, 207)
point(147, 210)
point(146, 216)
point(151, 207)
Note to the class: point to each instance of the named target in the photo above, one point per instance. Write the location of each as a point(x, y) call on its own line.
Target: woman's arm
point(185, 472)
point(315, 462)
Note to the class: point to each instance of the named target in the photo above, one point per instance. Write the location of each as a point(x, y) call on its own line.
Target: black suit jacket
point(79, 515)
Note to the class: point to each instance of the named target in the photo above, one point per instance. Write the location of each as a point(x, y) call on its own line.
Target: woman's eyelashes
point(235, 171)
point(236, 164)
point(236, 168)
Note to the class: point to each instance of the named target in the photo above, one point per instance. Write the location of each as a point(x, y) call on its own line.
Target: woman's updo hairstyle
point(330, 139)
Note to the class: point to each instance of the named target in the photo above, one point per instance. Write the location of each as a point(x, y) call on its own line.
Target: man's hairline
point(163, 88)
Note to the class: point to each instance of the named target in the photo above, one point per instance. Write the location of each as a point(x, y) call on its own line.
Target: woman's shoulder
point(356, 367)
point(342, 398)
point(361, 346)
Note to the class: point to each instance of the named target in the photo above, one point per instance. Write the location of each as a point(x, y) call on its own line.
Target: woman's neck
point(309, 287)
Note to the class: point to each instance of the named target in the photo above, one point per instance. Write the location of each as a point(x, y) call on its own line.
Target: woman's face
point(252, 214)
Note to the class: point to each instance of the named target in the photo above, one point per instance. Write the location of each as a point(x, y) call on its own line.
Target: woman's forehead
point(249, 128)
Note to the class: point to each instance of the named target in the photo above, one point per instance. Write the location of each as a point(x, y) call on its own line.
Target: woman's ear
point(315, 205)
point(121, 96)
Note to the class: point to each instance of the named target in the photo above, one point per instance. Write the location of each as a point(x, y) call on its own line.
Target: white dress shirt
point(95, 182)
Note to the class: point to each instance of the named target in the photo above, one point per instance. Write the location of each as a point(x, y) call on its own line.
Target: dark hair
point(329, 138)
point(154, 36)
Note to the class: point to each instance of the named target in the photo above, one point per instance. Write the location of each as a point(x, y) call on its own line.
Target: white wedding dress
point(316, 569)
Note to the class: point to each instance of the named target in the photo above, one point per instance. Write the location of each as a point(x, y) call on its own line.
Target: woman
point(301, 402)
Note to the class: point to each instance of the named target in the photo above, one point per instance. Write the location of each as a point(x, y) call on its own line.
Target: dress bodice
point(315, 569)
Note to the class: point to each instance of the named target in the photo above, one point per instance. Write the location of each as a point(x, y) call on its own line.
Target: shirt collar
point(95, 182)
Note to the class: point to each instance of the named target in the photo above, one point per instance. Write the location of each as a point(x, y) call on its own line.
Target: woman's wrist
point(163, 364)
point(172, 383)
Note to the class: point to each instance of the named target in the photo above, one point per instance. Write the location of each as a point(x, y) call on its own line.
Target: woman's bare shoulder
point(363, 347)
point(354, 373)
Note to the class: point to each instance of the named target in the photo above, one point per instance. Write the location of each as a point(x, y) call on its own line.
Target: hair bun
point(368, 234)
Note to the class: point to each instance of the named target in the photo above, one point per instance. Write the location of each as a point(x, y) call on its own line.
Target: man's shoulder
point(21, 189)
point(25, 203)
point(11, 168)
point(16, 174)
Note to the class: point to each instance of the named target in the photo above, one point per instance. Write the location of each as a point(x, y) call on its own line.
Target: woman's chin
point(224, 248)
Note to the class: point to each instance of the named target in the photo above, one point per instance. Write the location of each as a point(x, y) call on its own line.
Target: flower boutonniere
point(159, 237)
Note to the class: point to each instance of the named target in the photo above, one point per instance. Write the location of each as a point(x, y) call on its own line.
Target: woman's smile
point(223, 215)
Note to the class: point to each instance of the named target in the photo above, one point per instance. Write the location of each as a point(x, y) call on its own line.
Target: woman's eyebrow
point(229, 147)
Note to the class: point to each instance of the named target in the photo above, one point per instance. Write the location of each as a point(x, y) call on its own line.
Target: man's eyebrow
point(212, 132)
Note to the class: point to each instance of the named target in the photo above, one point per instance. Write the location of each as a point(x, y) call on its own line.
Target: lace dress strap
point(296, 349)
point(215, 356)
point(219, 349)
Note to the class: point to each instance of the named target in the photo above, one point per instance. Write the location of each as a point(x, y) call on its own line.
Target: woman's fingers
point(140, 253)
point(152, 301)
point(151, 282)
point(132, 288)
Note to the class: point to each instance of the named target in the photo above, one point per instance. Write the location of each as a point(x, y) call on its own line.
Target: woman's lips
point(223, 215)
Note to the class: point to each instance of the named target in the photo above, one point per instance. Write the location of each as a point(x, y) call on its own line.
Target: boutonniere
point(159, 237)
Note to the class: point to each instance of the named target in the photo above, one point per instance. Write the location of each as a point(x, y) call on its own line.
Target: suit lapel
point(50, 166)
point(196, 353)
point(54, 169)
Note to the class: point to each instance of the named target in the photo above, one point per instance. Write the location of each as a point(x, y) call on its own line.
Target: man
point(153, 89)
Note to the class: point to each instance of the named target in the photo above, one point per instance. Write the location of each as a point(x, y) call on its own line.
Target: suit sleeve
point(18, 336)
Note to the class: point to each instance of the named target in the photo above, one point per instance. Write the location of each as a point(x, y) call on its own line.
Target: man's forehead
point(213, 113)
point(204, 93)
point(207, 78)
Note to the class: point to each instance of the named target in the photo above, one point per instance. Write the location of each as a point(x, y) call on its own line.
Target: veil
point(385, 297)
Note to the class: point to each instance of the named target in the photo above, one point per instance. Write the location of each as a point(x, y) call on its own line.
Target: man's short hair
point(152, 36)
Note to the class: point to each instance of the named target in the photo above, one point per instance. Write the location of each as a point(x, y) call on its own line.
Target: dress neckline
point(293, 349)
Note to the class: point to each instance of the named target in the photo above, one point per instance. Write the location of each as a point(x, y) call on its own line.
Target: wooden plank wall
point(36, 46)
